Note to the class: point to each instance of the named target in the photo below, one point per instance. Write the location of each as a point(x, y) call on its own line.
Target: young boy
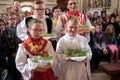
point(68, 69)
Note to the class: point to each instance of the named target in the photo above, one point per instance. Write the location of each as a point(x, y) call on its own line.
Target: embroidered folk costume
point(30, 48)
point(82, 17)
point(60, 27)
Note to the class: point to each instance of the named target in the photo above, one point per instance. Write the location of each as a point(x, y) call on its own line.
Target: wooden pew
point(112, 69)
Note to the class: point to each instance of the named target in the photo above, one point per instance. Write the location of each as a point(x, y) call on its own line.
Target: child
point(68, 69)
point(97, 46)
point(10, 43)
point(111, 42)
point(34, 45)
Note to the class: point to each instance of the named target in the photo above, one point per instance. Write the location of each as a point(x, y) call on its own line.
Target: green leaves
point(35, 60)
point(83, 26)
point(47, 35)
point(46, 58)
point(76, 52)
point(42, 58)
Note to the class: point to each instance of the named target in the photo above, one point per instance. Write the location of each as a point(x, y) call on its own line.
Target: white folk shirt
point(83, 19)
point(21, 60)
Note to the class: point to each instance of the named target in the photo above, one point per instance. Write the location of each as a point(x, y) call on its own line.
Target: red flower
point(66, 1)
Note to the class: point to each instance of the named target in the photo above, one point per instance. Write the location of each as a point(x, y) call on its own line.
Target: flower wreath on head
point(65, 2)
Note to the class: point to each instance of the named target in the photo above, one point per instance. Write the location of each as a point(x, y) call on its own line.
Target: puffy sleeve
point(22, 63)
point(83, 43)
point(22, 30)
point(87, 49)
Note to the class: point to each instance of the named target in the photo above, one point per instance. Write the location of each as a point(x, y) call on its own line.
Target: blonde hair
point(74, 19)
point(33, 21)
point(107, 30)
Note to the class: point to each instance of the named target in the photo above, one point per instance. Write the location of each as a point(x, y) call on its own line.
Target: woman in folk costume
point(35, 45)
point(72, 6)
point(68, 69)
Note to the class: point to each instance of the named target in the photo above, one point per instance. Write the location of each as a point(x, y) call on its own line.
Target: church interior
point(106, 71)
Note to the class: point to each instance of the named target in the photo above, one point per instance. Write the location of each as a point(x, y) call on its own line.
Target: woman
point(72, 6)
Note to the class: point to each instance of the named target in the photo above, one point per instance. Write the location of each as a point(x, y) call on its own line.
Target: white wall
point(3, 4)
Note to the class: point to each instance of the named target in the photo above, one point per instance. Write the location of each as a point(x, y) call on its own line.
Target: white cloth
point(73, 70)
point(22, 64)
point(22, 28)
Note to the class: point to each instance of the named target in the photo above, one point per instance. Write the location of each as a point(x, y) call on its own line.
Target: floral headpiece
point(65, 1)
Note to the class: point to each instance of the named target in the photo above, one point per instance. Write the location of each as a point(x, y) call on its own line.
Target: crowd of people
point(21, 38)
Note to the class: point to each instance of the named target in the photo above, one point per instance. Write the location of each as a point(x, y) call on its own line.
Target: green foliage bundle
point(42, 58)
point(76, 52)
point(47, 35)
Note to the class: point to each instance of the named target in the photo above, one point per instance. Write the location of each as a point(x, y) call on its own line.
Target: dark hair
point(66, 1)
point(103, 12)
point(98, 17)
point(1, 20)
point(55, 7)
point(27, 20)
point(97, 24)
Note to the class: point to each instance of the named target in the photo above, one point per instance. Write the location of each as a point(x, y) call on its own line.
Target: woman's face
point(56, 13)
point(71, 28)
point(72, 5)
point(2, 25)
point(36, 30)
